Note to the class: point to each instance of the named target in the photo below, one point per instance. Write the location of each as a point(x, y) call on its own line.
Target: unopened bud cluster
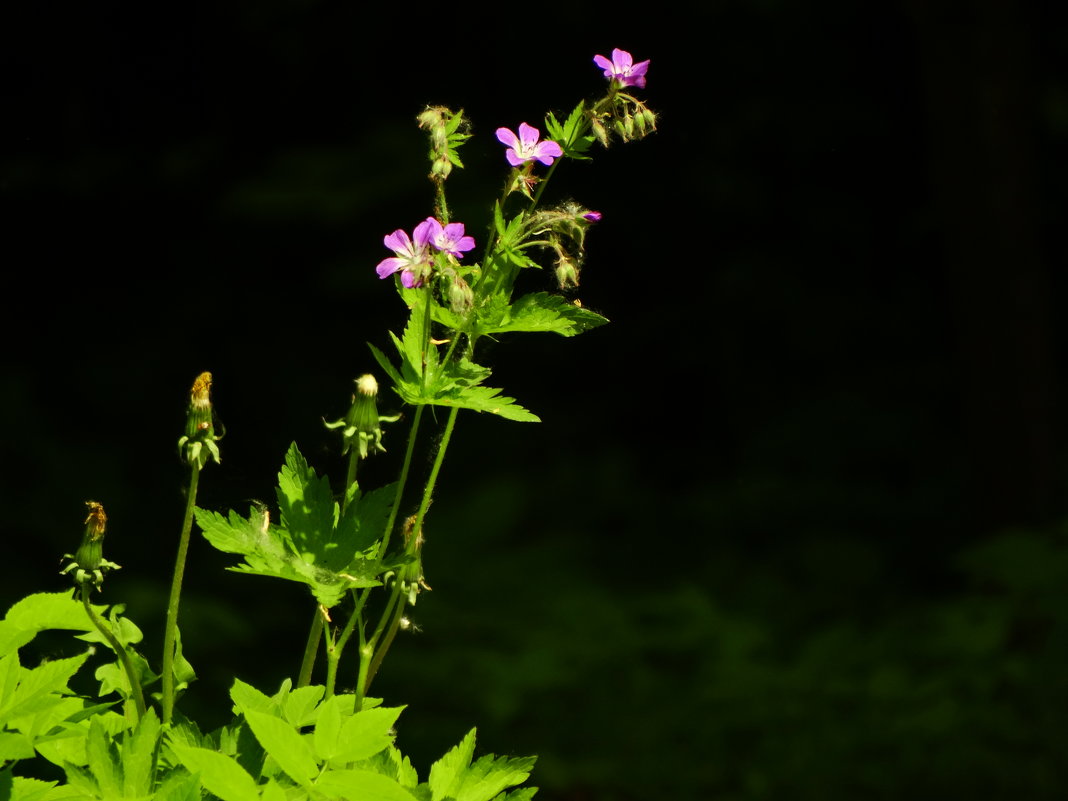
point(628, 118)
point(446, 129)
point(563, 230)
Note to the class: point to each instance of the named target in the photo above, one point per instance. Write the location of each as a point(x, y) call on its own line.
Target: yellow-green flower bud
point(197, 445)
point(650, 118)
point(362, 424)
point(88, 565)
point(599, 131)
point(567, 273)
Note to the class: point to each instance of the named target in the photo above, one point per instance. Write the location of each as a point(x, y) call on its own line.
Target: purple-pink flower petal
point(449, 238)
point(410, 257)
point(526, 147)
point(622, 68)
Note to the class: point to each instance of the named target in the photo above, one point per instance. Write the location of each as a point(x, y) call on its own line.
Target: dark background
point(791, 527)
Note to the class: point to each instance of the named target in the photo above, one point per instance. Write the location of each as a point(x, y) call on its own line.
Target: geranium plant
point(356, 549)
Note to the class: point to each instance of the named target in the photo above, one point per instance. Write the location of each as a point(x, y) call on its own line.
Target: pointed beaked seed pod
point(197, 445)
point(362, 425)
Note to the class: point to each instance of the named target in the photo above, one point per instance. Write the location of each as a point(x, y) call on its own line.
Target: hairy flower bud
point(567, 272)
point(88, 565)
point(362, 425)
point(197, 446)
point(446, 129)
point(599, 131)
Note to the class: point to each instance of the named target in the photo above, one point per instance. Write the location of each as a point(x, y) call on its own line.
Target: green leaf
point(568, 135)
point(328, 729)
point(40, 688)
point(246, 698)
point(486, 399)
point(490, 775)
point(364, 520)
point(307, 506)
point(541, 311)
point(102, 761)
point(454, 777)
point(299, 705)
point(524, 794)
point(41, 611)
point(366, 733)
point(457, 384)
point(285, 745)
point(273, 791)
point(308, 547)
point(178, 786)
point(446, 774)
point(218, 773)
point(364, 785)
point(124, 629)
point(138, 754)
point(15, 746)
point(19, 788)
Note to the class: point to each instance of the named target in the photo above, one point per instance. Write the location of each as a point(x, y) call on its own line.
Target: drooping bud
point(567, 272)
point(599, 131)
point(650, 118)
point(461, 297)
point(362, 425)
point(88, 565)
point(197, 445)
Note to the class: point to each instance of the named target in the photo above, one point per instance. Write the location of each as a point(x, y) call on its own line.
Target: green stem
point(311, 648)
point(368, 653)
point(315, 632)
point(401, 482)
point(331, 662)
point(350, 476)
point(120, 652)
point(410, 548)
point(176, 592)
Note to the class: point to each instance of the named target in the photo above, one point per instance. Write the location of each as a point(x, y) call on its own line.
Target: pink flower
point(449, 238)
point(526, 147)
point(411, 255)
point(622, 68)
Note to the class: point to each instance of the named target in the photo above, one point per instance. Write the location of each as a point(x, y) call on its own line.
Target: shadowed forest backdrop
point(792, 526)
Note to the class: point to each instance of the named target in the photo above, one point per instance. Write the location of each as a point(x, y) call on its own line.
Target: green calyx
point(88, 565)
point(361, 426)
point(197, 446)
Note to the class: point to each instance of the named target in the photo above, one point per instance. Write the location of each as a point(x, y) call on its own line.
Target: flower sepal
point(88, 566)
point(361, 426)
point(197, 446)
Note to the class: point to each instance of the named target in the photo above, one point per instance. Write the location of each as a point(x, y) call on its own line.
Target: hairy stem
point(411, 548)
point(120, 651)
point(176, 592)
point(311, 648)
